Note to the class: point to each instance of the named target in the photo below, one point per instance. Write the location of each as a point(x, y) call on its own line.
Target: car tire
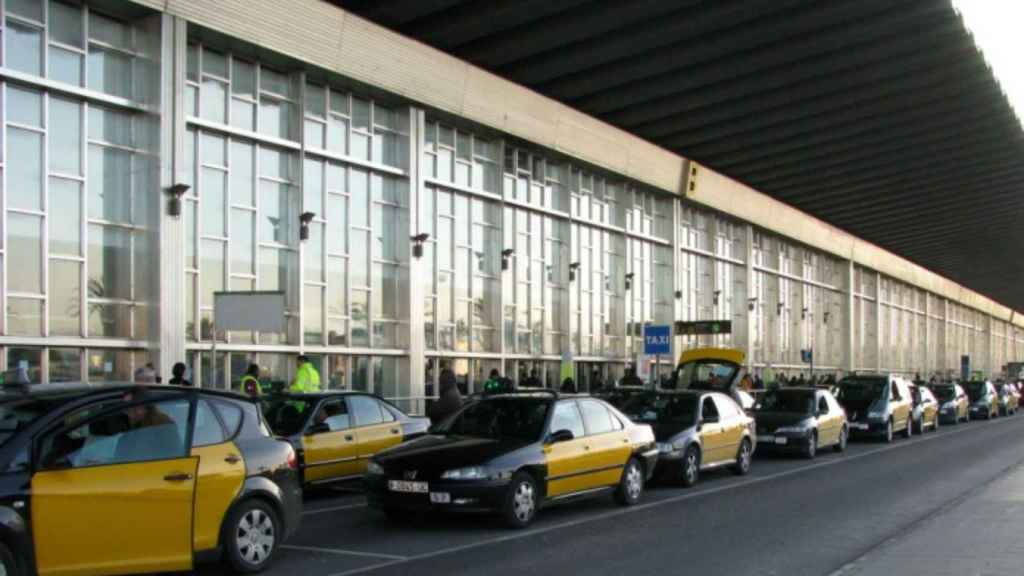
point(7, 561)
point(743, 458)
point(844, 436)
point(521, 501)
point(631, 484)
point(887, 435)
point(690, 473)
point(812, 446)
point(251, 535)
point(935, 426)
point(909, 431)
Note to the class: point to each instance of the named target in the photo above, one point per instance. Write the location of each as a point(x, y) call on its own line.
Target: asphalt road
point(787, 517)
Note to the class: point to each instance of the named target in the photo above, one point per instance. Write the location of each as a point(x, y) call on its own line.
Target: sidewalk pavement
point(981, 534)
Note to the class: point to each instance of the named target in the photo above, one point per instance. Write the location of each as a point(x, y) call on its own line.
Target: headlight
point(949, 406)
point(801, 428)
point(670, 447)
point(469, 473)
point(374, 468)
point(876, 415)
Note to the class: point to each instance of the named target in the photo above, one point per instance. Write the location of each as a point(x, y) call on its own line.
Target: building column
point(171, 252)
point(412, 367)
point(677, 265)
point(878, 321)
point(849, 339)
point(748, 258)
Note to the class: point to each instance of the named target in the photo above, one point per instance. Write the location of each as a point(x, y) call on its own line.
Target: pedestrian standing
point(178, 375)
point(307, 379)
point(450, 400)
point(250, 383)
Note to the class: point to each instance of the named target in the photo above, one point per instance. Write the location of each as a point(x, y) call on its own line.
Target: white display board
point(249, 311)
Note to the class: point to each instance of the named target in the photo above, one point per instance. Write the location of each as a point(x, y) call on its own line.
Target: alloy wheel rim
point(842, 438)
point(523, 501)
point(634, 485)
point(745, 456)
point(255, 536)
point(691, 467)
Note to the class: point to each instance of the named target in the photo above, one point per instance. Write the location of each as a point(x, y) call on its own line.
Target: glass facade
point(307, 183)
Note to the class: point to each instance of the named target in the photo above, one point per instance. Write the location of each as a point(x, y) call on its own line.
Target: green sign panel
point(703, 327)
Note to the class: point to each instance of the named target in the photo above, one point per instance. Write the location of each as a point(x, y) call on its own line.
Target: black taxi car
point(514, 454)
point(126, 480)
point(800, 419)
point(336, 433)
point(695, 431)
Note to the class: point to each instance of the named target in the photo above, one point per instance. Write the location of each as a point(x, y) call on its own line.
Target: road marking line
point(392, 557)
point(334, 508)
point(654, 503)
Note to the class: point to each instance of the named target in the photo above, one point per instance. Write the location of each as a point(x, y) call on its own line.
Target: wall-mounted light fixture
point(679, 294)
point(778, 308)
point(629, 280)
point(174, 194)
point(825, 316)
point(505, 255)
point(751, 303)
point(304, 219)
point(417, 244)
point(715, 296)
point(572, 271)
point(804, 312)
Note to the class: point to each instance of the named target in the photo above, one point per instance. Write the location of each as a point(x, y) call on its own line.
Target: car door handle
point(586, 448)
point(395, 430)
point(348, 437)
point(232, 459)
point(178, 477)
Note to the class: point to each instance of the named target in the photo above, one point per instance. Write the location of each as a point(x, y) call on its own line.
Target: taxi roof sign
point(703, 327)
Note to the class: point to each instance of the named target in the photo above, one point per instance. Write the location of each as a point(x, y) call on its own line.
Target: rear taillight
point(293, 460)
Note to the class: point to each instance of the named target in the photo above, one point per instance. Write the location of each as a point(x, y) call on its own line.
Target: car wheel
point(812, 446)
point(743, 457)
point(909, 431)
point(251, 536)
point(631, 485)
point(8, 565)
point(691, 466)
point(521, 501)
point(887, 435)
point(935, 425)
point(844, 435)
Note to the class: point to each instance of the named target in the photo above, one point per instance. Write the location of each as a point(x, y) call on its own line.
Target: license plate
point(405, 486)
point(440, 497)
point(766, 439)
point(857, 426)
point(781, 440)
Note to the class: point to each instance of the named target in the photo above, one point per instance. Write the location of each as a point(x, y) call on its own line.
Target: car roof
point(318, 395)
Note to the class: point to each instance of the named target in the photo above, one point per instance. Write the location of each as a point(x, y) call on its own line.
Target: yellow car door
point(828, 422)
point(712, 433)
point(221, 470)
point(733, 422)
point(329, 446)
point(114, 495)
point(567, 460)
point(376, 428)
point(607, 447)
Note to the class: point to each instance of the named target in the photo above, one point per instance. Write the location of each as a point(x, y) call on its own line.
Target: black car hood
point(666, 431)
point(438, 453)
point(769, 421)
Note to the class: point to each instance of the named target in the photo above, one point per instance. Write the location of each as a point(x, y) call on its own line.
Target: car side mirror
point(560, 436)
point(318, 428)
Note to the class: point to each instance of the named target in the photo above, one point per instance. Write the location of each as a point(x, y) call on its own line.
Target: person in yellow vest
point(307, 379)
point(251, 382)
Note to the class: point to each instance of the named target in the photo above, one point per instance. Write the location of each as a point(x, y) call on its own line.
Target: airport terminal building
point(416, 211)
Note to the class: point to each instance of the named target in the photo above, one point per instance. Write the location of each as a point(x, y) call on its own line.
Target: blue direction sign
point(657, 340)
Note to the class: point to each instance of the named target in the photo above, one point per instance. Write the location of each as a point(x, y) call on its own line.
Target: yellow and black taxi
point(696, 431)
point(801, 420)
point(336, 433)
point(925, 413)
point(954, 407)
point(876, 405)
point(125, 480)
point(983, 400)
point(514, 454)
point(1009, 398)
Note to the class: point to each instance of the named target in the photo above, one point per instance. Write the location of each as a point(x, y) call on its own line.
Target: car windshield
point(798, 401)
point(662, 409)
point(500, 418)
point(860, 393)
point(944, 393)
point(19, 413)
point(286, 416)
point(706, 374)
point(975, 390)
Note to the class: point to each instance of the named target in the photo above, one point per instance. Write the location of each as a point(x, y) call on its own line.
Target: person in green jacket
point(307, 379)
point(250, 383)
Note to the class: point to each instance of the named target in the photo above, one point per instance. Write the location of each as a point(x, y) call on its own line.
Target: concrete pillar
point(848, 337)
point(171, 252)
point(748, 259)
point(411, 368)
point(878, 321)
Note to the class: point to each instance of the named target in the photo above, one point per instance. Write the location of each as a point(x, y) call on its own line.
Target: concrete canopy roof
point(877, 116)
